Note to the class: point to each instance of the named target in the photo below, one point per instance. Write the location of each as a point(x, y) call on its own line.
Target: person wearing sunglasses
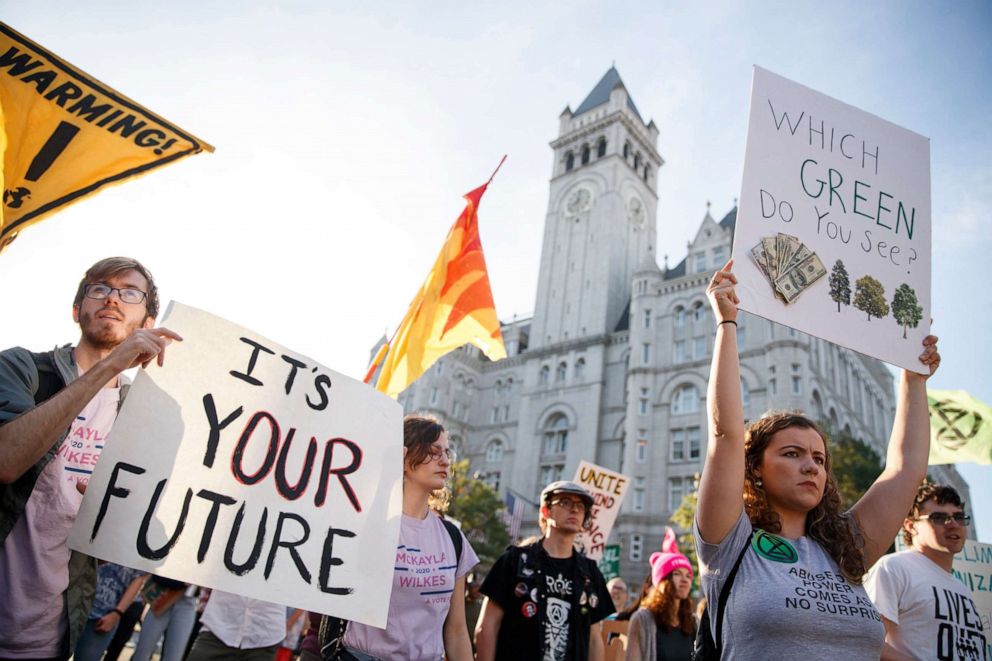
point(56, 409)
point(544, 599)
point(928, 614)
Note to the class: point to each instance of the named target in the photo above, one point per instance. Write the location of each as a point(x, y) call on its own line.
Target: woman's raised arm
point(882, 509)
point(722, 486)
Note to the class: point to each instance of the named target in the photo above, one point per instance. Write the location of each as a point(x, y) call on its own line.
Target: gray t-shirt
point(789, 600)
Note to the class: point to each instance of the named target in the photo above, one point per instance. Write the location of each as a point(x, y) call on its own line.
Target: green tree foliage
point(869, 297)
point(477, 506)
point(906, 309)
point(840, 285)
point(855, 464)
point(682, 517)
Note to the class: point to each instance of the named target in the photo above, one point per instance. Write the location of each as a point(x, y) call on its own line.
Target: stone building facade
point(613, 365)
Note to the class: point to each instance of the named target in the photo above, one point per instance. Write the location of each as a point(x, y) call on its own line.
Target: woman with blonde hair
point(664, 626)
point(769, 506)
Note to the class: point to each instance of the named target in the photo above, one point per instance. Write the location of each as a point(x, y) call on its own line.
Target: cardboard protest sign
point(608, 489)
point(973, 567)
point(833, 227)
point(65, 135)
point(243, 466)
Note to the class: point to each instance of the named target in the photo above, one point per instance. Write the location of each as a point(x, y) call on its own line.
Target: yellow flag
point(65, 135)
point(454, 307)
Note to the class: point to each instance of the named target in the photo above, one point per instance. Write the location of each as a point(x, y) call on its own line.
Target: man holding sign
point(56, 409)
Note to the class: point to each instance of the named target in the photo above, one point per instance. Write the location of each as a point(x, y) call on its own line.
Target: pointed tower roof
point(600, 94)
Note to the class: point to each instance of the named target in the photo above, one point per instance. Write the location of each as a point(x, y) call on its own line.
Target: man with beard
point(545, 600)
point(56, 409)
point(928, 614)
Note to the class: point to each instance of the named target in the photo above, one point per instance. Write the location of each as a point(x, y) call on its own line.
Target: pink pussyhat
point(668, 559)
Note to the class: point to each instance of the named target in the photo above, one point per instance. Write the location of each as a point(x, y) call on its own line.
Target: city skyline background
point(346, 136)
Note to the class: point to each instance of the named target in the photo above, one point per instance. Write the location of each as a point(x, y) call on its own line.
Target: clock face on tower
point(578, 201)
point(635, 212)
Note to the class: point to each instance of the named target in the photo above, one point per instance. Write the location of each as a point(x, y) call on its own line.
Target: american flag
point(514, 514)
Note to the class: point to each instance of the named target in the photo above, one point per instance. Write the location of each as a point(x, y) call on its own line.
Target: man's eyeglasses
point(435, 454)
point(941, 518)
point(568, 503)
point(100, 292)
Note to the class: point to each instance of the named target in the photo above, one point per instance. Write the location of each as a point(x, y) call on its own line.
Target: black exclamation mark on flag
point(51, 150)
point(56, 144)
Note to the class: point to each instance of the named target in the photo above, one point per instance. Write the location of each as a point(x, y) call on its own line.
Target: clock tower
point(600, 224)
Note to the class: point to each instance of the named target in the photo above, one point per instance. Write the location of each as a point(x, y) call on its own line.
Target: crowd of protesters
point(769, 522)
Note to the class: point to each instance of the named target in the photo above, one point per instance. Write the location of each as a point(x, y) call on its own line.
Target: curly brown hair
point(826, 523)
point(665, 606)
point(940, 494)
point(420, 432)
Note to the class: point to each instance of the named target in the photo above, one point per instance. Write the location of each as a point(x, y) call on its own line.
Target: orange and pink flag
point(454, 307)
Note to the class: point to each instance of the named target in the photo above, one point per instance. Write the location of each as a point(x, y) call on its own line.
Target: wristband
point(727, 321)
point(119, 612)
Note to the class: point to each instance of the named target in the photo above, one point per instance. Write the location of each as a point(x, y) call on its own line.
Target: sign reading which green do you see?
point(833, 229)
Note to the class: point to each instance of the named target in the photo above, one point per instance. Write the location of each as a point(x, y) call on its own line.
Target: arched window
point(745, 394)
point(569, 161)
point(580, 366)
point(585, 154)
point(680, 316)
point(455, 445)
point(685, 400)
point(499, 388)
point(601, 148)
point(561, 372)
point(637, 160)
point(698, 312)
point(545, 375)
point(494, 451)
point(646, 171)
point(626, 150)
point(555, 436)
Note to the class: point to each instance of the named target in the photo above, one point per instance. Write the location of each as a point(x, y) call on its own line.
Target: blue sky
point(346, 134)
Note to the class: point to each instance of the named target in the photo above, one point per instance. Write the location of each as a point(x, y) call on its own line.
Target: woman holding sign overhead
point(426, 620)
point(773, 541)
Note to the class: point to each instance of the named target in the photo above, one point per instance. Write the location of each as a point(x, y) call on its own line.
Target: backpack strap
point(49, 380)
point(456, 538)
point(330, 637)
point(725, 596)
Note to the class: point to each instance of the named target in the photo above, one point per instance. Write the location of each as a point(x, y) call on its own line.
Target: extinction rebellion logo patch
point(774, 548)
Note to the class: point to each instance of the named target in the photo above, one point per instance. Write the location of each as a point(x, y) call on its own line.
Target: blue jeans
point(92, 643)
point(178, 620)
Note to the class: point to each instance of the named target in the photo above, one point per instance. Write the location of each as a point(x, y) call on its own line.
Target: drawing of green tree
point(840, 285)
point(906, 309)
point(869, 297)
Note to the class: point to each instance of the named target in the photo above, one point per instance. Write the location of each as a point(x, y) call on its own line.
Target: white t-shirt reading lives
point(936, 616)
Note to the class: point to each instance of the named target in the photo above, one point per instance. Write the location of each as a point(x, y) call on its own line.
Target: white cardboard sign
point(243, 466)
point(855, 190)
point(973, 567)
point(608, 489)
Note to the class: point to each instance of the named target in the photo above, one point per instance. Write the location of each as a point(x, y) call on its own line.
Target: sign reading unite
point(243, 466)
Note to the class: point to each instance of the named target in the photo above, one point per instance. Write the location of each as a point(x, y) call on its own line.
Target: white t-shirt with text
point(936, 617)
point(34, 560)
